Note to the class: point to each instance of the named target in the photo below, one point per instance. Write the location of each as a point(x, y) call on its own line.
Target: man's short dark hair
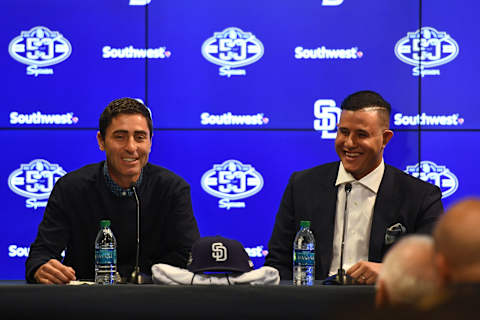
point(367, 99)
point(123, 106)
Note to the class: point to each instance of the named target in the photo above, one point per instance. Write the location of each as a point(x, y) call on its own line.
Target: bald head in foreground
point(408, 274)
point(457, 243)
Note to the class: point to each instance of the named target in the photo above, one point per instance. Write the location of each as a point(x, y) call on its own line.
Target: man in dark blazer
point(390, 202)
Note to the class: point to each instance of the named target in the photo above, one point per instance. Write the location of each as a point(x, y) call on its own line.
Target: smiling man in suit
point(383, 203)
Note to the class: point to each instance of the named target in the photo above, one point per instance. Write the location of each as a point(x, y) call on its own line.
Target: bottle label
point(106, 256)
point(303, 257)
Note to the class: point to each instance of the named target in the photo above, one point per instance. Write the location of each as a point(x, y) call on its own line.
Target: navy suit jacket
point(312, 195)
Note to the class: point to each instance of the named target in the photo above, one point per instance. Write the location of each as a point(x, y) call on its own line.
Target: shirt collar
point(115, 188)
point(371, 181)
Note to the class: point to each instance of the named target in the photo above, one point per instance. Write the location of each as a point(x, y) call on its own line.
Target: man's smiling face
point(127, 145)
point(361, 138)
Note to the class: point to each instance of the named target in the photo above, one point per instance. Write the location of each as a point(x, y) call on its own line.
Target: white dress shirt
point(361, 201)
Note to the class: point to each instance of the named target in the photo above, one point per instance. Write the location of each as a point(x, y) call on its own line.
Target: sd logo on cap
point(219, 254)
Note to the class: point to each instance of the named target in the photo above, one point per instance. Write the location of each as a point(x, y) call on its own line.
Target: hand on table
point(54, 272)
point(365, 272)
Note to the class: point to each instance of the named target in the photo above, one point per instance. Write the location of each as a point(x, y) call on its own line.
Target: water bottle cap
point(305, 224)
point(105, 223)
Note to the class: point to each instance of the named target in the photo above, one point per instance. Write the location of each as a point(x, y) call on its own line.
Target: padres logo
point(219, 252)
point(327, 115)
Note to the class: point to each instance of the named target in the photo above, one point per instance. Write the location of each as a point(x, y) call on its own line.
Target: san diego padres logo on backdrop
point(438, 175)
point(219, 252)
point(232, 48)
point(232, 180)
point(327, 116)
point(38, 48)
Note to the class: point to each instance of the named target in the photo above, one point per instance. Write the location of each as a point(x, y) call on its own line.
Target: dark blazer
point(312, 195)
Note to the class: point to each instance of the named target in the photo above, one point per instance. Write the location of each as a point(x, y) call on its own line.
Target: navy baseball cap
point(219, 254)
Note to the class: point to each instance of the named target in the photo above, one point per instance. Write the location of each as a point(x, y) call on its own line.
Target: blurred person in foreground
point(457, 243)
point(384, 202)
point(104, 190)
point(408, 277)
point(457, 261)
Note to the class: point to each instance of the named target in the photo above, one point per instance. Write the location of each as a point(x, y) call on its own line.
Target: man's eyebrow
point(361, 130)
point(126, 131)
point(120, 131)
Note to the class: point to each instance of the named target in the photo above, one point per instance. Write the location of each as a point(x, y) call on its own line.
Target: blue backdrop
point(242, 94)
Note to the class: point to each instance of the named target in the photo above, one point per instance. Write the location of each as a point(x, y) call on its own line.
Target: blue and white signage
point(438, 175)
point(232, 48)
point(256, 252)
point(428, 120)
point(323, 53)
point(426, 48)
point(38, 118)
point(232, 180)
point(331, 2)
point(139, 2)
point(229, 119)
point(35, 181)
point(327, 116)
point(39, 47)
point(130, 52)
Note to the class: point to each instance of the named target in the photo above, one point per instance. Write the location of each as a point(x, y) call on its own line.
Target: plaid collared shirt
point(115, 188)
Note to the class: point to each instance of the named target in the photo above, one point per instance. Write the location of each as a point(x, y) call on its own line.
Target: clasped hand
point(365, 272)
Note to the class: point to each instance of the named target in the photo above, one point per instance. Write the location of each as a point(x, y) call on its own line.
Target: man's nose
point(131, 145)
point(350, 141)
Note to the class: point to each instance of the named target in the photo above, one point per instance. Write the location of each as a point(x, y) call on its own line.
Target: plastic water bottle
point(105, 255)
point(304, 256)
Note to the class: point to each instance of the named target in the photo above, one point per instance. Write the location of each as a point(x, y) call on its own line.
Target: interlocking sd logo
point(327, 116)
point(219, 252)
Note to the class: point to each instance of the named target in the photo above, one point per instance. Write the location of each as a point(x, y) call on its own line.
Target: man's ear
point(387, 135)
point(381, 295)
point(101, 142)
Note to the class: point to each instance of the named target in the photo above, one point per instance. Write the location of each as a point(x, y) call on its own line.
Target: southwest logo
point(331, 2)
point(38, 118)
point(139, 2)
point(323, 53)
point(428, 120)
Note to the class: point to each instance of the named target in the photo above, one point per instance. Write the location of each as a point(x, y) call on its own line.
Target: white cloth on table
point(167, 274)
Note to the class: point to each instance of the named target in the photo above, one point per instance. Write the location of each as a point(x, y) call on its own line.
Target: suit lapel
point(383, 214)
point(327, 200)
